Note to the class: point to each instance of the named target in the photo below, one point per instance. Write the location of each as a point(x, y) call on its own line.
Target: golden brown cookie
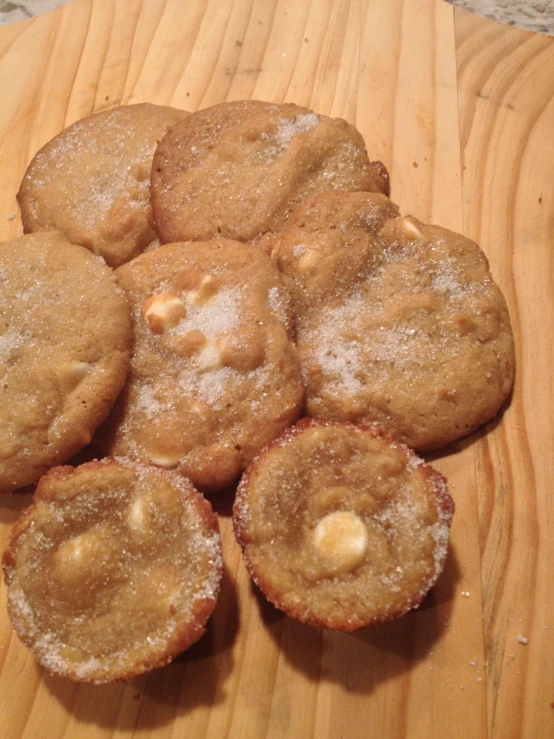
point(342, 527)
point(92, 181)
point(238, 169)
point(65, 337)
point(112, 571)
point(214, 374)
point(398, 322)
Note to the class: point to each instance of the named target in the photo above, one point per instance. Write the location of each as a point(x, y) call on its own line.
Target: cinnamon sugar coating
point(342, 527)
point(92, 181)
point(398, 322)
point(214, 373)
point(238, 169)
point(112, 571)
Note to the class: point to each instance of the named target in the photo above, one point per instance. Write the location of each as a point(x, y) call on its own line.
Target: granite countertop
point(11, 12)
point(535, 16)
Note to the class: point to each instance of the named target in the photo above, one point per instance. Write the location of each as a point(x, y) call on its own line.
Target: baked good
point(340, 526)
point(214, 373)
point(112, 571)
point(398, 322)
point(65, 338)
point(92, 181)
point(238, 169)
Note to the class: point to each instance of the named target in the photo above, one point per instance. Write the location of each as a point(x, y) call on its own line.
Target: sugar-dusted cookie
point(397, 322)
point(92, 181)
point(65, 336)
point(238, 169)
point(342, 527)
point(214, 374)
point(113, 570)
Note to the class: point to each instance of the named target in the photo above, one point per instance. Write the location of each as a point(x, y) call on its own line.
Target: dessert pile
point(224, 297)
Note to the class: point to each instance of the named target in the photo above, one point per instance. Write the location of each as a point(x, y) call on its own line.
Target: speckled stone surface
point(537, 15)
point(533, 15)
point(11, 12)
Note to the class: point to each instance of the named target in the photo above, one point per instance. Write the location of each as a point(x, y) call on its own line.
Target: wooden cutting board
point(462, 112)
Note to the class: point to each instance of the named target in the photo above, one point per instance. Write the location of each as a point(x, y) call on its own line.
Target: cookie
point(65, 337)
point(342, 527)
point(398, 322)
point(214, 374)
point(92, 181)
point(112, 571)
point(238, 169)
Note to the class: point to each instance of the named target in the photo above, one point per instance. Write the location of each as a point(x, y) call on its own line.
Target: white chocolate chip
point(164, 460)
point(73, 549)
point(80, 370)
point(308, 260)
point(340, 539)
point(162, 312)
point(410, 229)
point(137, 518)
point(74, 555)
point(75, 372)
point(201, 410)
point(210, 358)
point(206, 290)
point(191, 297)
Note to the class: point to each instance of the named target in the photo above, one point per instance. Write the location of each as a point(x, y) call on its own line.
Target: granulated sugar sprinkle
point(218, 316)
point(288, 128)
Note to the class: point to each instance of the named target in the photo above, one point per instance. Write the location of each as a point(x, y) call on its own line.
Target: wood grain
point(431, 92)
point(506, 89)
